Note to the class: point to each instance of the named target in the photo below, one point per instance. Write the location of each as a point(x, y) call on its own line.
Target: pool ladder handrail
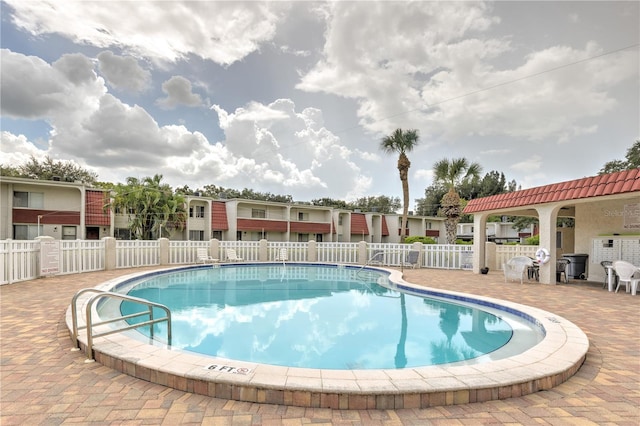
point(90, 324)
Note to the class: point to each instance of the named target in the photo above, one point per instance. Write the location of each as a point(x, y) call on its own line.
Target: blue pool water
point(317, 316)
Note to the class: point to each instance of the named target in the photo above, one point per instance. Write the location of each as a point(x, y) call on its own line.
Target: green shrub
point(419, 239)
point(532, 241)
point(464, 243)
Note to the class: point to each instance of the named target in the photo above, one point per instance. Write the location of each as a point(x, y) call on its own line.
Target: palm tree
point(452, 173)
point(154, 210)
point(401, 142)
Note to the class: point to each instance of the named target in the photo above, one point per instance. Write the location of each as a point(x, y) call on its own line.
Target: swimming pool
point(551, 362)
point(326, 317)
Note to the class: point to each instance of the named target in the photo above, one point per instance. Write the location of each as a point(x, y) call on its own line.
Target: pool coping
point(551, 362)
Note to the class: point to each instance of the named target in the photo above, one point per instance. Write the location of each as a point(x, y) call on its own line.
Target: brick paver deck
point(44, 382)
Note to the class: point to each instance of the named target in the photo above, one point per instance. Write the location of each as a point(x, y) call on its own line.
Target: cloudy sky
point(294, 97)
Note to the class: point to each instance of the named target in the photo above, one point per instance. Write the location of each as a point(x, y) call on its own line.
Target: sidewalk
point(44, 383)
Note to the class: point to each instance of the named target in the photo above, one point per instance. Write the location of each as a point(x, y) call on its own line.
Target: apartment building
point(65, 210)
point(62, 210)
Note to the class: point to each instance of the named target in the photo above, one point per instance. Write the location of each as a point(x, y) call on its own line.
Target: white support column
point(547, 216)
point(479, 238)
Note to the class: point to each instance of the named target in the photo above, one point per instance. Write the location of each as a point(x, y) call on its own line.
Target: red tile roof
point(594, 186)
point(219, 220)
point(95, 214)
point(385, 228)
point(359, 224)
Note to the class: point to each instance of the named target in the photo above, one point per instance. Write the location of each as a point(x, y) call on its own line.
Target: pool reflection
point(317, 317)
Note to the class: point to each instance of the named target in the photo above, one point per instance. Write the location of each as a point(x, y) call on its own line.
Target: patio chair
point(413, 257)
point(203, 256)
point(561, 268)
point(629, 274)
point(516, 268)
point(232, 256)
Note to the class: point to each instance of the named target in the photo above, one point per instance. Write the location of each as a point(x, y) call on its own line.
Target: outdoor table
point(610, 275)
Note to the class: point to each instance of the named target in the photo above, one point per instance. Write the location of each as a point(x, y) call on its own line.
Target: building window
point(26, 232)
point(122, 234)
point(258, 213)
point(303, 216)
point(196, 211)
point(69, 233)
point(32, 200)
point(216, 235)
point(319, 238)
point(196, 235)
point(428, 225)
point(303, 238)
point(121, 210)
point(340, 220)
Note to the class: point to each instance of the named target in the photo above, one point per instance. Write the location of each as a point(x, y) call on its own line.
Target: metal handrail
point(90, 324)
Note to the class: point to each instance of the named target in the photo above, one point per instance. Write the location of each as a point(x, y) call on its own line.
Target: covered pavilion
point(606, 209)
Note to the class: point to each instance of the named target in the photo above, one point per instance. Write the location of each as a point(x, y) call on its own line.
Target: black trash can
point(578, 266)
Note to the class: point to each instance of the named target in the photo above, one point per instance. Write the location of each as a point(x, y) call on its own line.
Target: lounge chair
point(516, 268)
point(283, 255)
point(413, 258)
point(203, 256)
point(232, 256)
point(629, 274)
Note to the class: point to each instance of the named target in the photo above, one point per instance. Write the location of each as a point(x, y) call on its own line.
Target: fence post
point(110, 255)
point(214, 249)
point(312, 251)
point(263, 250)
point(362, 252)
point(164, 250)
point(490, 258)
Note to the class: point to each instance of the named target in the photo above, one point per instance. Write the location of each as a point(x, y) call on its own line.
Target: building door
point(93, 233)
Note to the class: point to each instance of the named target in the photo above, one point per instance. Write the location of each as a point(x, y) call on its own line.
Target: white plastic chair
point(516, 268)
point(629, 274)
point(232, 256)
point(283, 255)
point(203, 256)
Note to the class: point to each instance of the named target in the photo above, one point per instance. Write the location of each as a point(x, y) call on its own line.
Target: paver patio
point(44, 382)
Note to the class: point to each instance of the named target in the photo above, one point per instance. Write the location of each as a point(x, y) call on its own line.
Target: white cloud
point(434, 68)
point(57, 89)
point(290, 150)
point(179, 92)
point(224, 32)
point(530, 165)
point(123, 72)
point(17, 149)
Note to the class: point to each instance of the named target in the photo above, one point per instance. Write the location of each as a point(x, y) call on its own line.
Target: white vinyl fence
point(21, 260)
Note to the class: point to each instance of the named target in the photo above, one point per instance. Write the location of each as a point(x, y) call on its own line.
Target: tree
point(154, 210)
point(381, 204)
point(67, 171)
point(453, 173)
point(632, 161)
point(401, 142)
point(329, 202)
point(430, 204)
